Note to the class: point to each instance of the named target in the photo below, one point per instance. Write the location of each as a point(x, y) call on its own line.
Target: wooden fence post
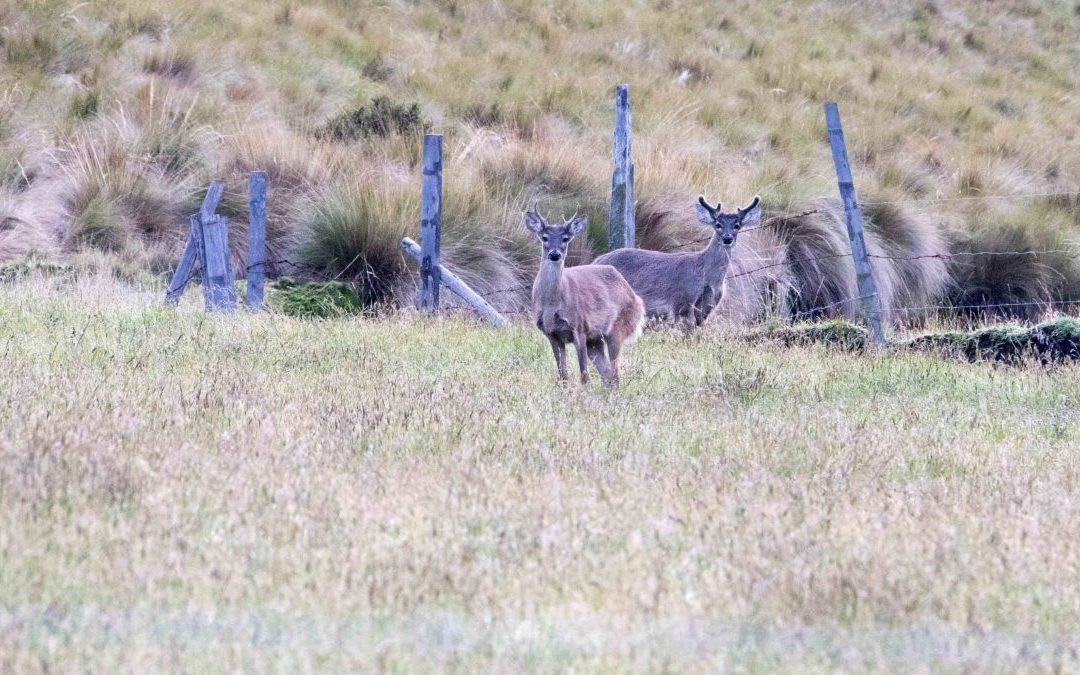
point(217, 270)
point(193, 251)
point(185, 270)
point(430, 222)
point(256, 274)
point(621, 216)
point(871, 308)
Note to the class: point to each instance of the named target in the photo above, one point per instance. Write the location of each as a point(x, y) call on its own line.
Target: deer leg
point(559, 348)
point(582, 357)
point(704, 306)
point(613, 348)
point(599, 357)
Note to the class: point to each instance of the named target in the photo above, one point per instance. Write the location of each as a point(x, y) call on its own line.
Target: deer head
point(727, 225)
point(554, 239)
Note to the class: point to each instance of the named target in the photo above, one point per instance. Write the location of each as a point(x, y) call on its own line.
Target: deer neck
point(549, 282)
point(715, 258)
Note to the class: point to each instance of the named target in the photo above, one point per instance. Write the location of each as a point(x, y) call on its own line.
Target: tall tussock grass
point(1033, 259)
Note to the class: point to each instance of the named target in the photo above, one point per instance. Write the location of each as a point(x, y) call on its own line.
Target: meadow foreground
point(212, 493)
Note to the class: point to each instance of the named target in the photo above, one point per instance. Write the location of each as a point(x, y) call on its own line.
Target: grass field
point(194, 493)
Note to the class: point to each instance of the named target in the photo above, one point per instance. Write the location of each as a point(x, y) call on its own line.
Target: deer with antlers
point(685, 285)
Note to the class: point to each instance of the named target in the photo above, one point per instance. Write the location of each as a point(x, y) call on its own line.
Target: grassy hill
point(116, 114)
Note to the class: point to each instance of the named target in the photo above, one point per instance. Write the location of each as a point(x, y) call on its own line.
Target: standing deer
point(589, 305)
point(685, 285)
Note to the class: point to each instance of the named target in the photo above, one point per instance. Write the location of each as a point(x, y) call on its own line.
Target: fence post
point(621, 216)
point(185, 270)
point(217, 280)
point(256, 275)
point(430, 222)
point(871, 308)
point(193, 250)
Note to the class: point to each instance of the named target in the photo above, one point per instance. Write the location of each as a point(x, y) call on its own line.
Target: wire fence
point(374, 280)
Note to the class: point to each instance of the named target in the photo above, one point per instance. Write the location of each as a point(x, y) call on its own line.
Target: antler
point(712, 209)
point(751, 205)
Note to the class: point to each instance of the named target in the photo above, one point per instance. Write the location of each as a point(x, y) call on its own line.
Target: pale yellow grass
point(197, 493)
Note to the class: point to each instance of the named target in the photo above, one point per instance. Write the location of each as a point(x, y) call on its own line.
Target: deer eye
point(543, 237)
point(565, 239)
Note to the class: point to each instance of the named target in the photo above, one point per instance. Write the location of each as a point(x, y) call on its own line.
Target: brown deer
point(685, 285)
point(589, 305)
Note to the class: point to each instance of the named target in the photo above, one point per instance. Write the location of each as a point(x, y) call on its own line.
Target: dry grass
point(186, 492)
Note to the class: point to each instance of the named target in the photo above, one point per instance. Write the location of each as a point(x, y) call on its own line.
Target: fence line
point(1019, 195)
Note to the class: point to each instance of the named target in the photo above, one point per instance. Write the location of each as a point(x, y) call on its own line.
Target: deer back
point(664, 280)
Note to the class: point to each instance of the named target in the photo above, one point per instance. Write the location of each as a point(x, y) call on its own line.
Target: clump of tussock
point(381, 118)
point(1024, 262)
point(353, 231)
point(553, 177)
point(823, 273)
point(910, 252)
point(296, 169)
point(112, 199)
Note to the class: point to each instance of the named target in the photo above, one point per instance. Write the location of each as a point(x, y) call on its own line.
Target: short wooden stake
point(871, 309)
point(431, 222)
point(256, 274)
point(621, 217)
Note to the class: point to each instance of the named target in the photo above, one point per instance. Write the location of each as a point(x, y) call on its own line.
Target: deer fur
point(685, 285)
point(591, 306)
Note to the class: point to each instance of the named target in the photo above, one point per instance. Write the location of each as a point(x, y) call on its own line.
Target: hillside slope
point(115, 115)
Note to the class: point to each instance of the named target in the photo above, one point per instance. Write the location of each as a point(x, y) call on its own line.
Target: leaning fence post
point(430, 217)
point(256, 275)
point(621, 215)
point(868, 297)
point(193, 250)
point(482, 307)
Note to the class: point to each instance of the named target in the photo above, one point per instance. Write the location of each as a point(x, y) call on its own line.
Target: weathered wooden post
point(430, 222)
point(193, 251)
point(871, 307)
point(256, 274)
point(621, 217)
point(185, 270)
point(218, 281)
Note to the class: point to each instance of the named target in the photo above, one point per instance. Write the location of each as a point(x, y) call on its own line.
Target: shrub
point(382, 117)
point(313, 299)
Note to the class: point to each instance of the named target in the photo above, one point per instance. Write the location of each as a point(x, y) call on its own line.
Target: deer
point(591, 306)
point(685, 286)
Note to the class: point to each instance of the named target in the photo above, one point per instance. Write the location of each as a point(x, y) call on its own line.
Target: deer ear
point(703, 215)
point(704, 211)
point(577, 224)
point(534, 222)
point(752, 213)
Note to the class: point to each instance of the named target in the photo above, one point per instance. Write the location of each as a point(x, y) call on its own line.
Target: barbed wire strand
point(931, 200)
